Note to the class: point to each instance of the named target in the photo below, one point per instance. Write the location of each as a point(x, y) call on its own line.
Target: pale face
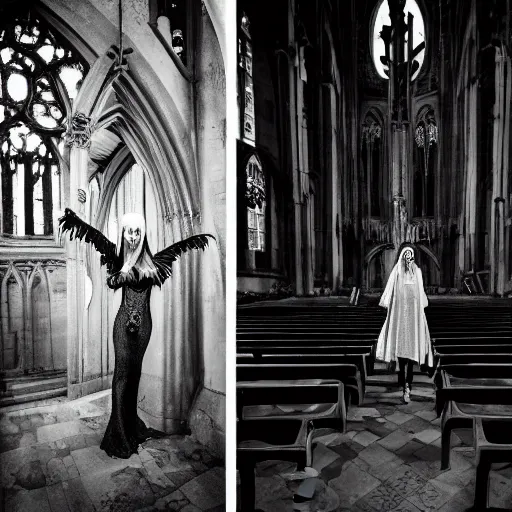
point(132, 235)
point(408, 258)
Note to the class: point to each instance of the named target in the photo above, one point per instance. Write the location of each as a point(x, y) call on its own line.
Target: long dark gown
point(132, 327)
point(132, 330)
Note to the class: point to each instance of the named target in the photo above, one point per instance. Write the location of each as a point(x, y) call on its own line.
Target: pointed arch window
point(245, 84)
point(40, 76)
point(381, 29)
point(256, 204)
point(425, 162)
point(372, 157)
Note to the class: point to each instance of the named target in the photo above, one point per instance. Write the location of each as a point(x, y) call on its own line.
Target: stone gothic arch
point(14, 296)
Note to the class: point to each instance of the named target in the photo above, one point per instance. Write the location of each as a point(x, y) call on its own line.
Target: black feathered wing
point(82, 231)
point(163, 260)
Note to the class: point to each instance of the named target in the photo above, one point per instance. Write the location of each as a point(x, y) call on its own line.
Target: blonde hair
point(141, 258)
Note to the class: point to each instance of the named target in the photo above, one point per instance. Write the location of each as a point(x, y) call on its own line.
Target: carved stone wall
point(33, 315)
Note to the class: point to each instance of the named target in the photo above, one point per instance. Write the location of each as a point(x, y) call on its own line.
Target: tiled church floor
point(50, 461)
point(388, 460)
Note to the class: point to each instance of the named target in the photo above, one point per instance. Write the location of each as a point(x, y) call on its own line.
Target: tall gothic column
point(401, 69)
point(309, 228)
point(501, 135)
point(399, 110)
point(294, 109)
point(336, 213)
point(79, 139)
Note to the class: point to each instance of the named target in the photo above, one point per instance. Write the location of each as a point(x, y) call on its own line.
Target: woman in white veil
point(405, 336)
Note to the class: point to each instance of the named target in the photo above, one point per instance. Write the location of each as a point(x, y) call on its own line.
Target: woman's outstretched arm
point(163, 260)
point(77, 228)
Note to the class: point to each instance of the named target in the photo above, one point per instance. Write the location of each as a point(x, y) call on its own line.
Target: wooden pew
point(493, 444)
point(470, 341)
point(467, 391)
point(260, 349)
point(487, 348)
point(346, 373)
point(321, 401)
point(359, 360)
point(481, 358)
point(285, 439)
point(282, 432)
point(310, 345)
point(361, 356)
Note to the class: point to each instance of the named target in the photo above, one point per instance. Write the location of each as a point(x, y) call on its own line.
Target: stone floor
point(50, 461)
point(388, 460)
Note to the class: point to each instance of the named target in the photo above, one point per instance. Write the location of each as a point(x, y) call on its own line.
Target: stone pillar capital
point(79, 133)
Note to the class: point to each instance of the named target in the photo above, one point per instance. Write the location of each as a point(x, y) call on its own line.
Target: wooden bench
point(467, 391)
point(321, 401)
point(305, 346)
point(285, 439)
point(493, 444)
point(276, 420)
point(359, 360)
point(471, 357)
point(260, 349)
point(298, 333)
point(440, 343)
point(487, 348)
point(346, 373)
point(361, 356)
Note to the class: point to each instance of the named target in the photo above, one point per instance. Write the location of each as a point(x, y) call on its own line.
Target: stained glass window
point(382, 19)
point(256, 201)
point(372, 161)
point(40, 76)
point(246, 88)
point(425, 162)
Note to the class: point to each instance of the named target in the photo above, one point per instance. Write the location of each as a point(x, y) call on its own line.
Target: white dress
point(405, 332)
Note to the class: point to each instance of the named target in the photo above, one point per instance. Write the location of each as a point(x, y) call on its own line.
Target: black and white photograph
point(374, 255)
point(112, 255)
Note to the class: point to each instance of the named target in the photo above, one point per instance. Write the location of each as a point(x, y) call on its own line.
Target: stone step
point(34, 386)
point(31, 397)
point(39, 375)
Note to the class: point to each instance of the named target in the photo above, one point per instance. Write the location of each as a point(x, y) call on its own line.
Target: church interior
point(338, 163)
point(365, 126)
point(110, 107)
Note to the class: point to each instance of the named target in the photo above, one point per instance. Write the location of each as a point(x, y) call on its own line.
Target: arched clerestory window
point(40, 75)
point(425, 163)
point(256, 205)
point(245, 84)
point(373, 161)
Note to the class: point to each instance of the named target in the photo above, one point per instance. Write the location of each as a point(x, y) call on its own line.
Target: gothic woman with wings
point(132, 267)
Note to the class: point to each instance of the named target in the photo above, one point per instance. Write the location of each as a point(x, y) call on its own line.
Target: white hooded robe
point(405, 332)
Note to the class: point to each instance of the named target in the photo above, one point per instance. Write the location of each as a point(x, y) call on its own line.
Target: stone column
point(505, 269)
point(399, 170)
point(309, 227)
point(294, 109)
point(79, 139)
point(500, 172)
point(336, 197)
